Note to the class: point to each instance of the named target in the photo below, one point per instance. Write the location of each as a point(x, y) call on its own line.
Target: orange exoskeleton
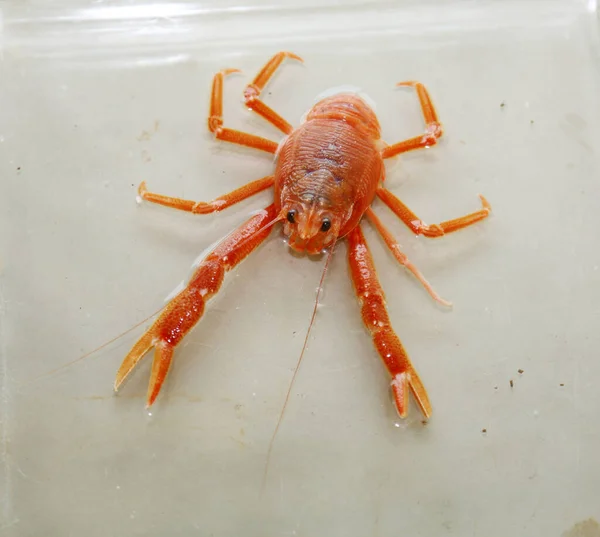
point(328, 171)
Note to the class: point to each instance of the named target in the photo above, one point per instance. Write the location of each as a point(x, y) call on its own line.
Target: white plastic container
point(98, 96)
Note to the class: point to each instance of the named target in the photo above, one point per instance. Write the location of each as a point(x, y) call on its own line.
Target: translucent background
point(98, 96)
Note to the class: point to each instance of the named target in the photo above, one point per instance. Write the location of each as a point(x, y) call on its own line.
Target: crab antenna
point(287, 396)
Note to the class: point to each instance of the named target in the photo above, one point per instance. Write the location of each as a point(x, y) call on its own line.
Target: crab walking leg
point(253, 91)
point(375, 317)
point(205, 207)
point(418, 227)
point(394, 247)
point(215, 120)
point(186, 309)
point(433, 127)
point(429, 114)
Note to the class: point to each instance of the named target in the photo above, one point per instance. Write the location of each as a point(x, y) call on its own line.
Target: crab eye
point(326, 225)
point(291, 216)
